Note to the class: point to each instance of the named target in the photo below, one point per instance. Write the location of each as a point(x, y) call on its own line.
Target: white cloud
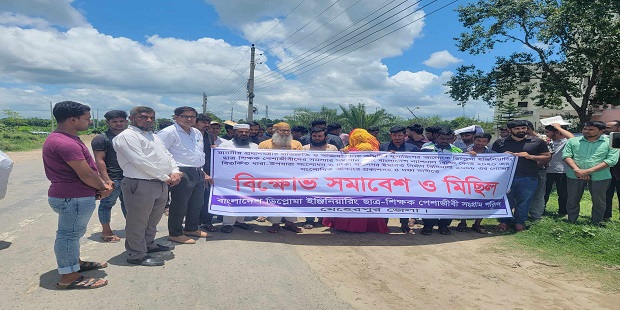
point(106, 72)
point(441, 59)
point(55, 12)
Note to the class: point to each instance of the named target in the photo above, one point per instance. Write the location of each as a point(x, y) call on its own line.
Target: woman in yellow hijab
point(359, 140)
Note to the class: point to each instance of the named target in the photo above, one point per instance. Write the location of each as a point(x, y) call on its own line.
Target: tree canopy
point(573, 53)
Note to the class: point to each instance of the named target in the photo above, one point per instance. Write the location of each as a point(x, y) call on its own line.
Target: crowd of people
point(150, 171)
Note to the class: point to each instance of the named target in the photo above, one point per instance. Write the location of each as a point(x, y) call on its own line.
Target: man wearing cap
point(241, 140)
point(282, 140)
point(186, 145)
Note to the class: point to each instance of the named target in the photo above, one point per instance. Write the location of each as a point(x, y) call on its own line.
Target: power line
point(301, 59)
point(279, 21)
point(216, 89)
point(374, 40)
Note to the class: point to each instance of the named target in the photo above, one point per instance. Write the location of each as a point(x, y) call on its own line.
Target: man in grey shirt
point(556, 170)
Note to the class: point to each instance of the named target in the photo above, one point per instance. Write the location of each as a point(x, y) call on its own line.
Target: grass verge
point(20, 141)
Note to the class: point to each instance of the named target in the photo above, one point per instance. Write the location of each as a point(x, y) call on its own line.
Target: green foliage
point(355, 116)
point(20, 141)
point(567, 41)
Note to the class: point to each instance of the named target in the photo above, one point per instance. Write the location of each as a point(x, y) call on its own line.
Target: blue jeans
point(521, 194)
point(106, 204)
point(73, 217)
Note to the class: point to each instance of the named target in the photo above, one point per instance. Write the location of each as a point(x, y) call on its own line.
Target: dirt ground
point(396, 271)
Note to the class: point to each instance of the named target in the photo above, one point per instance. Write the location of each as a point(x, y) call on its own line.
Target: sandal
point(461, 227)
point(427, 231)
point(293, 228)
point(274, 229)
point(261, 219)
point(519, 227)
point(83, 283)
point(479, 229)
point(86, 266)
point(411, 223)
point(111, 238)
point(209, 227)
point(501, 227)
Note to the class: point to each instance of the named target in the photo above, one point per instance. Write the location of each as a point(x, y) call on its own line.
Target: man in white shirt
point(241, 140)
point(186, 145)
point(148, 170)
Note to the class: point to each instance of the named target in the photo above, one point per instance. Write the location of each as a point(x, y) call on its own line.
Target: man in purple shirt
point(72, 194)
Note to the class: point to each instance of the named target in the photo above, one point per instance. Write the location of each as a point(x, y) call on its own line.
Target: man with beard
point(253, 135)
point(148, 169)
point(442, 144)
point(318, 142)
point(241, 140)
point(467, 140)
point(109, 170)
point(530, 151)
point(322, 125)
point(589, 158)
point(282, 140)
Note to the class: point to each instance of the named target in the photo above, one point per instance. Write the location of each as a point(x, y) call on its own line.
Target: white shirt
point(230, 144)
point(186, 149)
point(142, 155)
point(219, 141)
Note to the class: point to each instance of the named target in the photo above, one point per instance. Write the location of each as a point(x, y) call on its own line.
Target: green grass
point(20, 141)
point(581, 247)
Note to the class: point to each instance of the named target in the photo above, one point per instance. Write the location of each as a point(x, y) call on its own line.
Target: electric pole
point(251, 86)
point(204, 103)
point(266, 112)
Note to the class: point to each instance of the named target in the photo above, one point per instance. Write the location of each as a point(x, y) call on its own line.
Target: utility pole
point(251, 86)
point(204, 103)
point(266, 112)
point(52, 116)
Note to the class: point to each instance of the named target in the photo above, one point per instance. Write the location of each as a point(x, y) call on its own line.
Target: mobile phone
point(614, 139)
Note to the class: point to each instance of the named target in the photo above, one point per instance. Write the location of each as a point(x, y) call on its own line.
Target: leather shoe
point(160, 248)
point(146, 261)
point(183, 239)
point(198, 233)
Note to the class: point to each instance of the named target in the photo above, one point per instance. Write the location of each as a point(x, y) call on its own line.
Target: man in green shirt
point(589, 158)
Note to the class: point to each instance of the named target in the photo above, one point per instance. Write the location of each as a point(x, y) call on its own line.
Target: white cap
point(241, 126)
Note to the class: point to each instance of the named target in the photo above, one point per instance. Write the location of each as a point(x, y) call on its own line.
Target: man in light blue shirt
point(589, 158)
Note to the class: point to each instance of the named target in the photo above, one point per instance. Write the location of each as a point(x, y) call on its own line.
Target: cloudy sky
point(116, 54)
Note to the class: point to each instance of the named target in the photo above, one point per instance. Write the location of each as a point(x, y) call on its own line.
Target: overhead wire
point(356, 48)
point(341, 35)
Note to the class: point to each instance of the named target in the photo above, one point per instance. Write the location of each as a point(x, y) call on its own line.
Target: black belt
point(147, 180)
point(191, 168)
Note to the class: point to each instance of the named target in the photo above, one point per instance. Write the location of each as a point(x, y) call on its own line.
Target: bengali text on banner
point(360, 184)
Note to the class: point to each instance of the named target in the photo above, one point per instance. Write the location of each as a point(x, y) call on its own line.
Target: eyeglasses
point(187, 116)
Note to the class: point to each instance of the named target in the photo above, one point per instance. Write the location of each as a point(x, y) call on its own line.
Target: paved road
point(242, 270)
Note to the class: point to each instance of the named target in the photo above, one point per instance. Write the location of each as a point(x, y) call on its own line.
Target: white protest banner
point(360, 184)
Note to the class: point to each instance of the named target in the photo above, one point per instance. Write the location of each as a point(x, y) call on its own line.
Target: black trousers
point(614, 187)
point(187, 200)
point(436, 222)
point(560, 184)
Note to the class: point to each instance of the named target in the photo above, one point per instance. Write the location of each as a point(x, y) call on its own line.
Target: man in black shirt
point(530, 151)
point(320, 124)
point(109, 170)
point(203, 122)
